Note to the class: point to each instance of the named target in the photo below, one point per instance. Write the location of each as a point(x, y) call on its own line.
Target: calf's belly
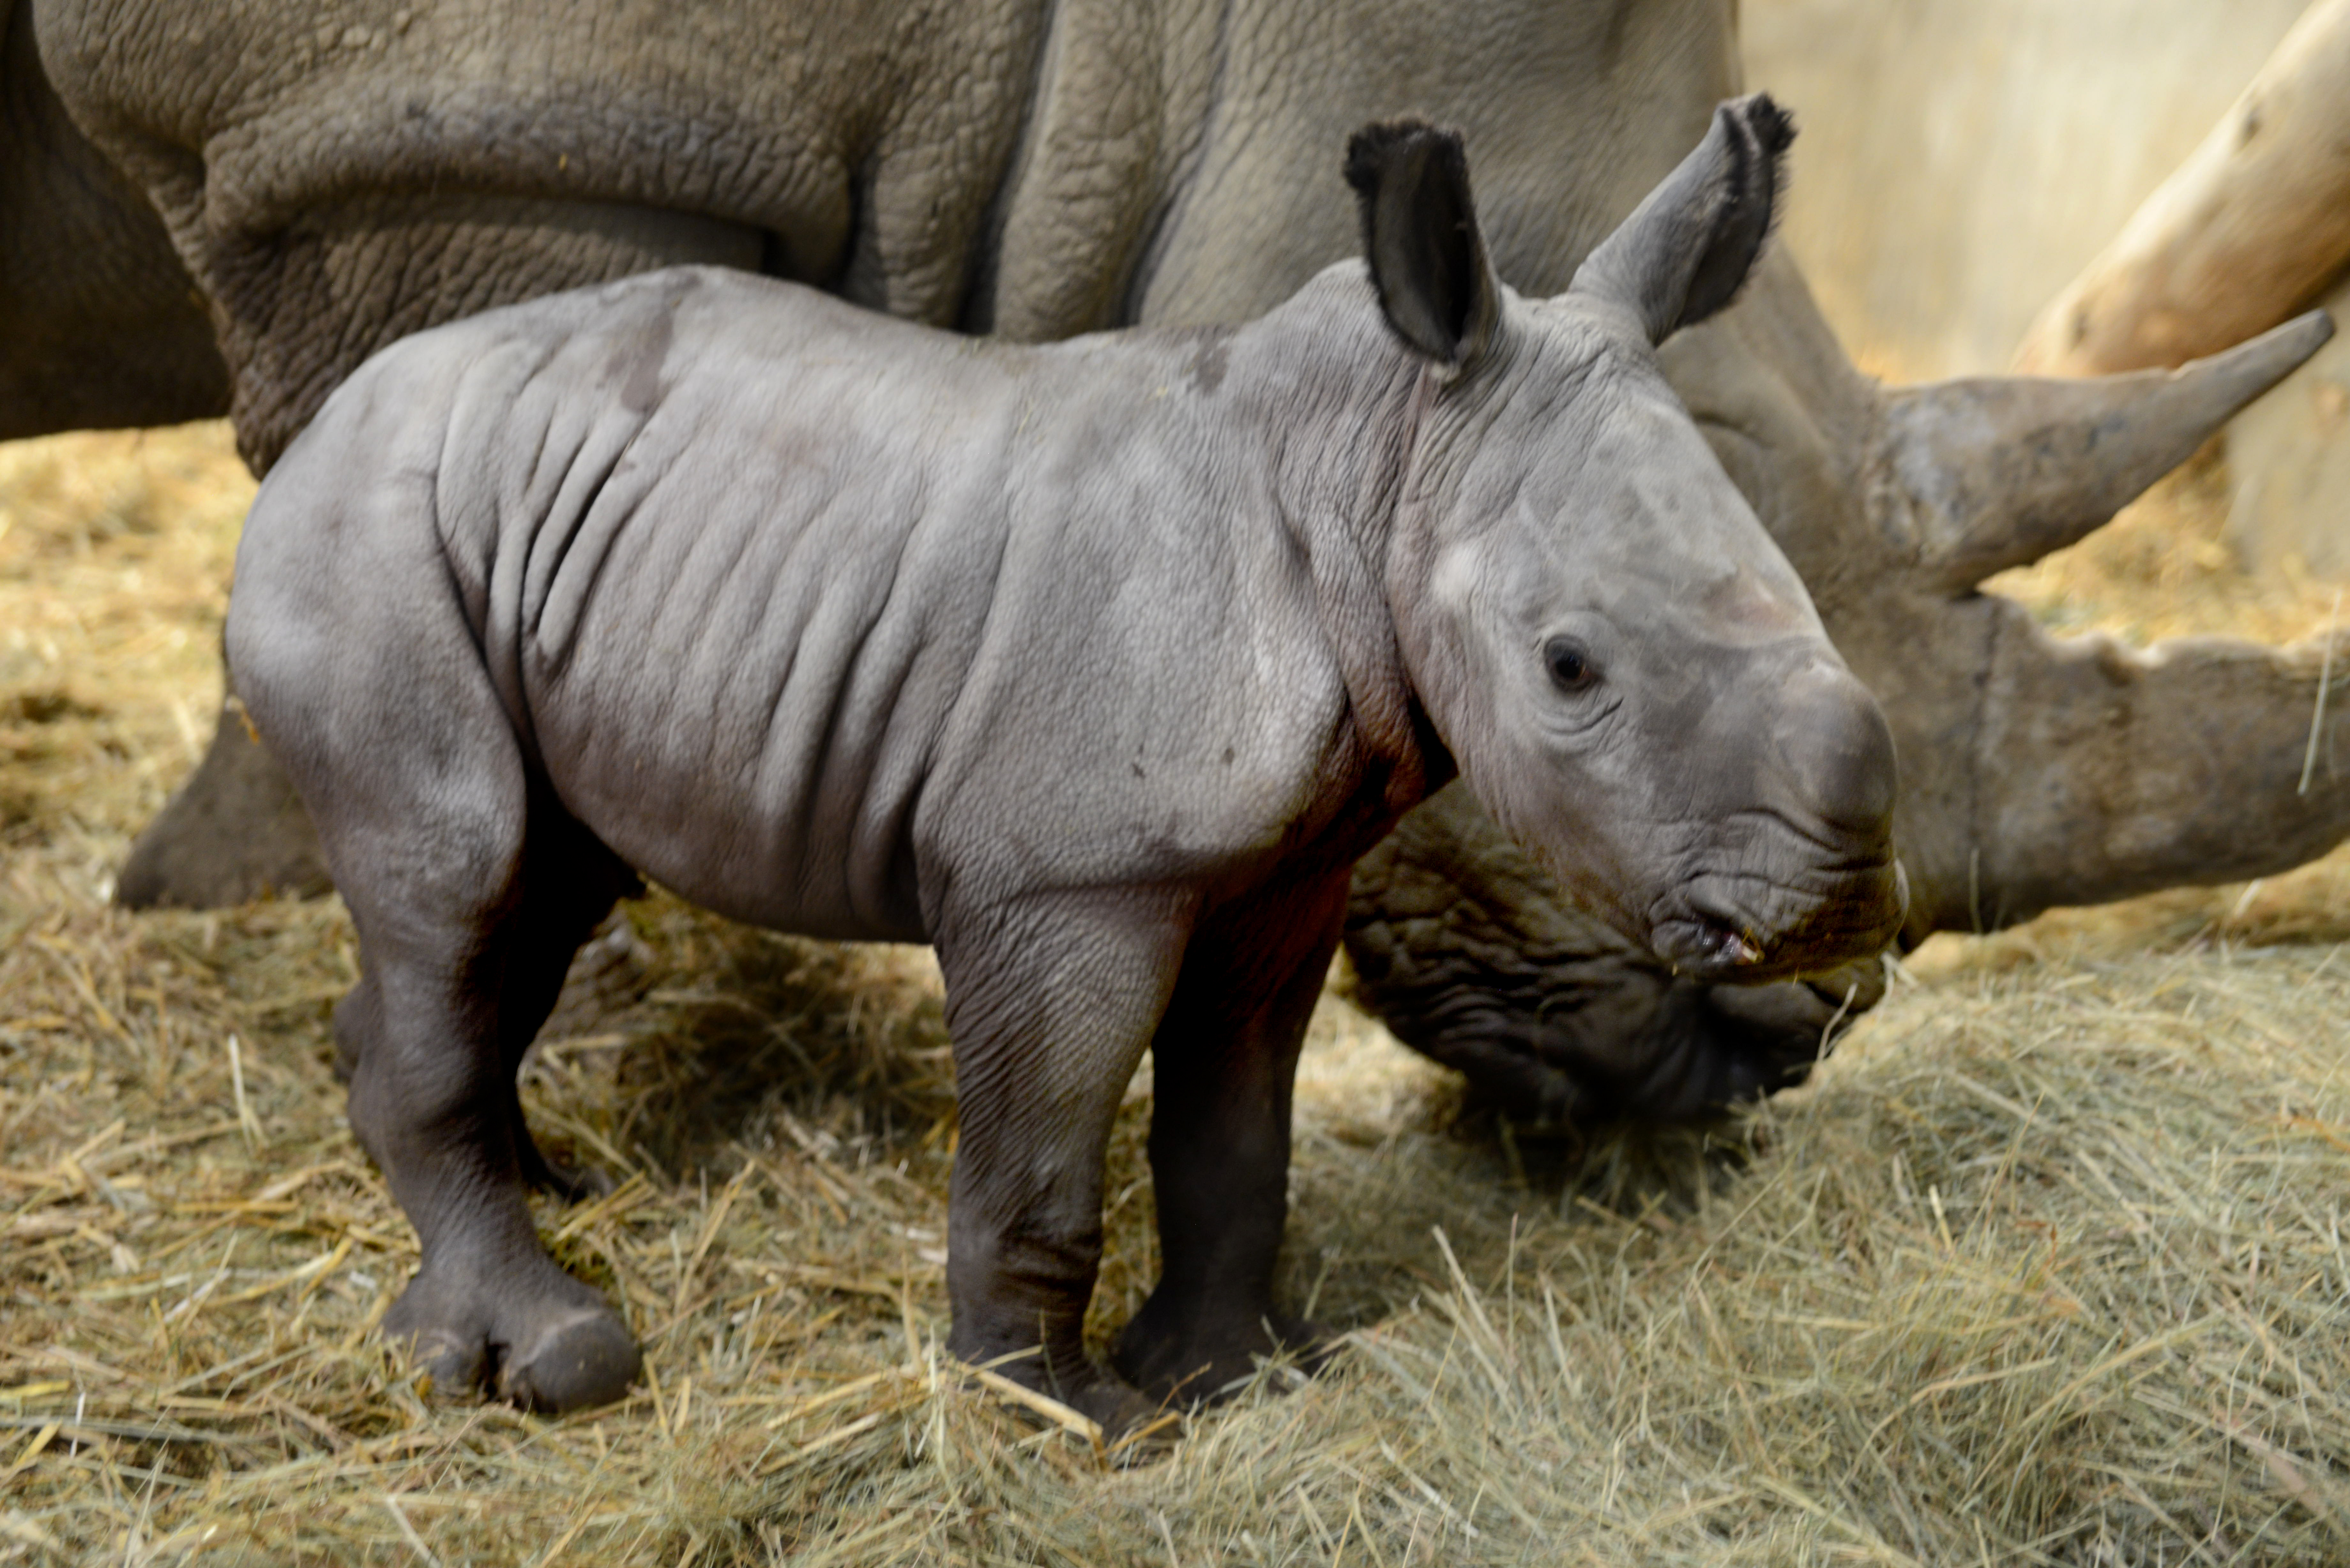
point(730, 832)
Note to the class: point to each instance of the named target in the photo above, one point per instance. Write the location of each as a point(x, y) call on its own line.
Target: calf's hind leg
point(432, 1100)
point(462, 935)
point(568, 881)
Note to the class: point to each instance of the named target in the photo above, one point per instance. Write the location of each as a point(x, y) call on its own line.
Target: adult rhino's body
point(1029, 168)
point(1038, 170)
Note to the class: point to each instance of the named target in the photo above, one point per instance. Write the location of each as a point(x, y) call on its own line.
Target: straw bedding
point(2047, 1267)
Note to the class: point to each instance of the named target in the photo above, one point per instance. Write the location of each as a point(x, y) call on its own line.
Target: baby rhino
point(1096, 665)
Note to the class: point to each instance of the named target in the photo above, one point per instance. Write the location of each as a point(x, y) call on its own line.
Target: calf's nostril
point(1838, 752)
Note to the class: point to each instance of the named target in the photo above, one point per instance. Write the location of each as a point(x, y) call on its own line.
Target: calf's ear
point(1686, 250)
point(1419, 234)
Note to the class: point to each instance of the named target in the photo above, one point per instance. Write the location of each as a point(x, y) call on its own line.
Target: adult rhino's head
point(2036, 770)
point(1627, 670)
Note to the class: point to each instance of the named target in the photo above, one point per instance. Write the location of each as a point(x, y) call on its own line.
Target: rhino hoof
point(447, 1368)
point(1200, 1368)
point(548, 1350)
point(1132, 1423)
point(580, 1362)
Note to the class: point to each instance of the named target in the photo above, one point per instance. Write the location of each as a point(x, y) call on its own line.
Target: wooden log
point(2252, 227)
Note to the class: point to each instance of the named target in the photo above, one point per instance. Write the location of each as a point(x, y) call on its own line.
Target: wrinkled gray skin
point(100, 324)
point(1097, 665)
point(1039, 171)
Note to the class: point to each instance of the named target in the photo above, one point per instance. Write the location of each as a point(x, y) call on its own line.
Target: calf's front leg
point(1223, 1066)
point(1051, 999)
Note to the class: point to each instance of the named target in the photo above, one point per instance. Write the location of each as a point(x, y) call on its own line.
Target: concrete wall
point(2289, 465)
point(1961, 160)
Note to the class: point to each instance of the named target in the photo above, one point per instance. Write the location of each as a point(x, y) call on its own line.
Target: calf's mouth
point(1748, 927)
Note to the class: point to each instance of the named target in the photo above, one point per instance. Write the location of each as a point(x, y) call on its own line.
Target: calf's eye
point(1570, 665)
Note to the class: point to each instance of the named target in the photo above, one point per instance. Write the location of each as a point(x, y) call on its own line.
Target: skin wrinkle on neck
point(1340, 503)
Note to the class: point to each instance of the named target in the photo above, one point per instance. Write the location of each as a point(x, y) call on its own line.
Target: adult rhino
point(1033, 170)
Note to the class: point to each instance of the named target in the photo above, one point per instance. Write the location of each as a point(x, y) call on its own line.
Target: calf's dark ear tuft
point(1686, 251)
point(1419, 235)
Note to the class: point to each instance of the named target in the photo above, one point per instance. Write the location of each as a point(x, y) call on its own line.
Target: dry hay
point(2046, 1267)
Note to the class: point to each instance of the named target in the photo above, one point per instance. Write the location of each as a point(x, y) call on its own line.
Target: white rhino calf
point(1097, 665)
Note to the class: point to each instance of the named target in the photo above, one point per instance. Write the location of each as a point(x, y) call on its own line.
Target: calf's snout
point(1809, 879)
point(1835, 755)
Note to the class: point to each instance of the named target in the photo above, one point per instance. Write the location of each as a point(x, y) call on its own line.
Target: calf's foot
point(1182, 1358)
point(532, 1336)
point(1114, 1405)
point(1121, 1410)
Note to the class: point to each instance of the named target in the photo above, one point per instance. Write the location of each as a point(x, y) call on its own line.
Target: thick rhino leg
point(235, 831)
point(1473, 955)
point(1051, 999)
point(1223, 1066)
point(469, 891)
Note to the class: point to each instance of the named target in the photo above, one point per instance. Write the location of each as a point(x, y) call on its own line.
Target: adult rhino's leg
point(1222, 1068)
point(1473, 955)
point(1051, 999)
point(102, 328)
point(234, 831)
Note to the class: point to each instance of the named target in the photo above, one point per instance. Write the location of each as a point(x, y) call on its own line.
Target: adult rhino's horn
point(2003, 470)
